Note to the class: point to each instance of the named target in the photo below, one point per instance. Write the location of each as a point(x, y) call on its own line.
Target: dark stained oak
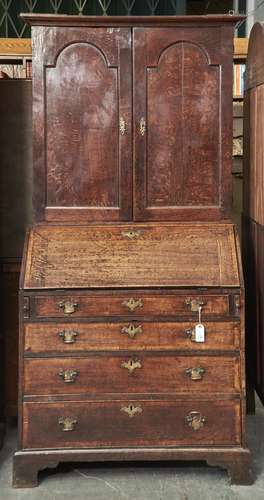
point(150, 374)
point(108, 256)
point(160, 423)
point(148, 304)
point(132, 124)
point(183, 161)
point(67, 338)
point(82, 90)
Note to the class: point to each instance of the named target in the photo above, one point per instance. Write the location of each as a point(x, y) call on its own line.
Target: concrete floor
point(138, 481)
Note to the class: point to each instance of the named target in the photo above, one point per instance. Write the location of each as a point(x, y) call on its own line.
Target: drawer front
point(129, 305)
point(131, 423)
point(131, 373)
point(133, 335)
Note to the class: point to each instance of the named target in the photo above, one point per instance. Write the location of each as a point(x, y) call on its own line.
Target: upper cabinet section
point(132, 118)
point(82, 124)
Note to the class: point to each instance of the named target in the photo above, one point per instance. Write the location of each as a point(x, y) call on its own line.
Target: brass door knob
point(131, 365)
point(68, 307)
point(68, 336)
point(195, 420)
point(68, 376)
point(131, 410)
point(195, 373)
point(132, 330)
point(67, 424)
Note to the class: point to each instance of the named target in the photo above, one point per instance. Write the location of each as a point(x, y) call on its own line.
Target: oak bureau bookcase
point(131, 292)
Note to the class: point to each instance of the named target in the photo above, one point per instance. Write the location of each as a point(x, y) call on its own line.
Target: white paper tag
point(199, 333)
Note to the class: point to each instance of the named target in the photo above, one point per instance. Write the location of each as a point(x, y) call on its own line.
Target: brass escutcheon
point(131, 410)
point(142, 126)
point(132, 303)
point(195, 373)
point(122, 126)
point(131, 365)
point(68, 376)
point(68, 336)
point(131, 234)
point(68, 307)
point(195, 304)
point(195, 420)
point(67, 423)
point(132, 330)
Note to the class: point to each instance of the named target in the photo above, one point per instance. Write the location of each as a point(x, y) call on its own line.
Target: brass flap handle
point(195, 420)
point(131, 365)
point(142, 126)
point(195, 373)
point(67, 424)
point(132, 304)
point(68, 376)
point(194, 304)
point(131, 410)
point(68, 306)
point(132, 330)
point(68, 336)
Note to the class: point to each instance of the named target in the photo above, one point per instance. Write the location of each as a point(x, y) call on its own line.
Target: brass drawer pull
point(190, 333)
point(131, 365)
point(131, 410)
point(132, 304)
point(132, 330)
point(142, 126)
point(68, 307)
point(195, 373)
point(195, 420)
point(194, 304)
point(131, 234)
point(67, 424)
point(68, 336)
point(68, 376)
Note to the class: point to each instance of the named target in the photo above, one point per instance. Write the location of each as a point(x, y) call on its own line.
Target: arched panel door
point(182, 150)
point(84, 125)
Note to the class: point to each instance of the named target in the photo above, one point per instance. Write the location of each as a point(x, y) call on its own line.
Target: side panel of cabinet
point(183, 124)
point(82, 124)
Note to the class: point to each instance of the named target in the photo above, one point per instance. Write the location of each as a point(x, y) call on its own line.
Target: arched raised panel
point(82, 112)
point(182, 106)
point(183, 161)
point(84, 99)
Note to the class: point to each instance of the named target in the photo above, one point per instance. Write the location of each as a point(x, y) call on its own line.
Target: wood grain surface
point(161, 423)
point(102, 256)
point(49, 338)
point(153, 373)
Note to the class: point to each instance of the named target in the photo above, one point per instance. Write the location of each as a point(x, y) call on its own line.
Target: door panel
point(181, 160)
point(85, 75)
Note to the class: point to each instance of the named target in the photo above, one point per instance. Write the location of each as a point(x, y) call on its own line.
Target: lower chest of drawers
point(126, 370)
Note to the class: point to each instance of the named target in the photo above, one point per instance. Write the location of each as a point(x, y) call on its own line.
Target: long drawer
point(133, 335)
point(131, 423)
point(71, 306)
point(141, 373)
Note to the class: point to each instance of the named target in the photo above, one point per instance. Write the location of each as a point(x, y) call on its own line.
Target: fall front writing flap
point(132, 256)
